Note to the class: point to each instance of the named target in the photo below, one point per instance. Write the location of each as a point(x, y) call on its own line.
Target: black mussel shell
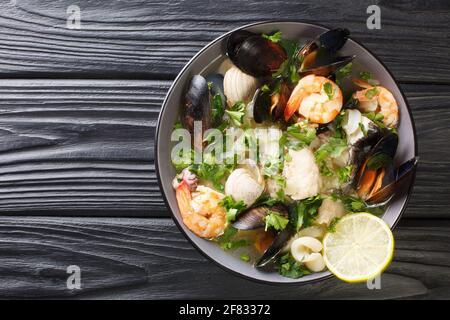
point(197, 106)
point(275, 248)
point(269, 105)
point(215, 83)
point(253, 218)
point(320, 55)
point(261, 106)
point(328, 68)
point(254, 54)
point(392, 185)
point(333, 40)
point(234, 43)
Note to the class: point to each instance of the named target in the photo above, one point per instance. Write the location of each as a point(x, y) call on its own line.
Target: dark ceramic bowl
point(215, 51)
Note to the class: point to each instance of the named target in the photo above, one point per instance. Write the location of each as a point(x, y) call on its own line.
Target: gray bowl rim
point(157, 137)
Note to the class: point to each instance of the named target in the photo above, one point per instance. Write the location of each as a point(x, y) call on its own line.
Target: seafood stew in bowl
point(273, 136)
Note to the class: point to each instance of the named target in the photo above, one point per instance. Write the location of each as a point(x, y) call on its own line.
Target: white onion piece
point(351, 121)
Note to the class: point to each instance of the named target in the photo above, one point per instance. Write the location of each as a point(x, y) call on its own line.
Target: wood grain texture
point(85, 147)
point(149, 258)
point(153, 40)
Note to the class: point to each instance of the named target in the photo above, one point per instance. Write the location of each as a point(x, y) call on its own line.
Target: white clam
point(306, 250)
point(245, 183)
point(302, 174)
point(238, 86)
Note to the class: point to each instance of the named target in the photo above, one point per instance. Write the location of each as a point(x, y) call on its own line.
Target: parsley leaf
point(232, 207)
point(275, 37)
point(302, 213)
point(217, 109)
point(275, 221)
point(332, 227)
point(212, 172)
point(333, 148)
point(304, 134)
point(236, 113)
point(372, 92)
point(344, 173)
point(328, 88)
point(377, 118)
point(245, 257)
point(289, 267)
point(345, 70)
point(227, 242)
point(365, 75)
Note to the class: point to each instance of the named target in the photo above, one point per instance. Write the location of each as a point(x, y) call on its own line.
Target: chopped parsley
point(365, 75)
point(213, 172)
point(245, 257)
point(332, 227)
point(289, 267)
point(328, 88)
point(275, 221)
point(344, 173)
point(377, 118)
point(232, 207)
point(217, 109)
point(236, 113)
point(302, 213)
point(304, 134)
point(227, 242)
point(333, 148)
point(372, 92)
point(274, 37)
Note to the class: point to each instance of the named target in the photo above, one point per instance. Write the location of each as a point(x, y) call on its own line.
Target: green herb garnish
point(217, 109)
point(245, 257)
point(227, 242)
point(275, 37)
point(304, 134)
point(365, 75)
point(302, 213)
point(372, 92)
point(288, 267)
point(276, 221)
point(328, 88)
point(236, 113)
point(232, 207)
point(344, 173)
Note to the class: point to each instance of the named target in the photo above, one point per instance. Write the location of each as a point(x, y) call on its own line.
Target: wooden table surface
point(78, 109)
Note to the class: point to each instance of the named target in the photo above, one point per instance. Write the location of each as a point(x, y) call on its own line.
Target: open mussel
point(254, 54)
point(377, 177)
point(270, 105)
point(253, 218)
point(320, 55)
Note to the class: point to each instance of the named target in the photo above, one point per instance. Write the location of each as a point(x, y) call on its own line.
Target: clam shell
point(238, 86)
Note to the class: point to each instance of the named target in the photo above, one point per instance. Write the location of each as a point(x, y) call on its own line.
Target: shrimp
point(200, 210)
point(377, 99)
point(316, 98)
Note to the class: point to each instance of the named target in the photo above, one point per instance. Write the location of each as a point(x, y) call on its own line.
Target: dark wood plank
point(150, 259)
point(84, 147)
point(146, 39)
